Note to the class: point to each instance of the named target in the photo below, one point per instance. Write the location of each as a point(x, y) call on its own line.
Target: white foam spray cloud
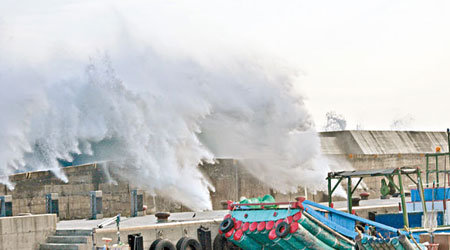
point(147, 100)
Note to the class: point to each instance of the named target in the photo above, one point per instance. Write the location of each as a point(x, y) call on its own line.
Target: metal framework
point(436, 170)
point(387, 173)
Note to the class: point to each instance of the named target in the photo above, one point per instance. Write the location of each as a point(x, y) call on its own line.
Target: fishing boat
point(427, 210)
point(304, 224)
point(265, 224)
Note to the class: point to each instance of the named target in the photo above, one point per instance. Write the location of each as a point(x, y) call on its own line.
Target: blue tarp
point(396, 220)
point(429, 192)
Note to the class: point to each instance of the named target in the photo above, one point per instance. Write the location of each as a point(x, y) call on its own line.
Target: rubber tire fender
point(187, 242)
point(164, 245)
point(178, 245)
point(285, 232)
point(221, 243)
point(226, 225)
point(153, 245)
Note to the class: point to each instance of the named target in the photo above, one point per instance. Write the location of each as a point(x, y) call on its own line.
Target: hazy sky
point(372, 61)
point(378, 62)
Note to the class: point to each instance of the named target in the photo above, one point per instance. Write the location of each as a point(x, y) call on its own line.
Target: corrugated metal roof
point(330, 146)
point(382, 142)
point(372, 172)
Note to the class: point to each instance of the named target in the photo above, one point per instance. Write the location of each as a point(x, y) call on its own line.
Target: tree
point(335, 122)
point(402, 123)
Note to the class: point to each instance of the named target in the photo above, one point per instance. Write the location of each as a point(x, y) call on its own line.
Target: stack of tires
point(220, 243)
point(182, 244)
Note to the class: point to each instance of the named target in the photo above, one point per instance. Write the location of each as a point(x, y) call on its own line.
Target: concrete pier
point(26, 232)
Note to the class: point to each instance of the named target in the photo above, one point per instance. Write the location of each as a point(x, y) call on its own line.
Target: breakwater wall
point(346, 150)
point(231, 182)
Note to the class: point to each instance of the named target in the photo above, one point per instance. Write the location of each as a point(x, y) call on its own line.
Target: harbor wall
point(26, 232)
point(231, 182)
point(346, 150)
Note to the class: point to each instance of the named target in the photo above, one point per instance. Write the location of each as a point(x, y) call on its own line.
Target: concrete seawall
point(26, 232)
point(230, 180)
point(345, 149)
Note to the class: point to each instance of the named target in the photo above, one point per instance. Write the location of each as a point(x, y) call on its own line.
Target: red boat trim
point(261, 226)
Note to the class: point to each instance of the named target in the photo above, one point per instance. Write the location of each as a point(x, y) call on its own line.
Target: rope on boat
point(412, 238)
point(406, 243)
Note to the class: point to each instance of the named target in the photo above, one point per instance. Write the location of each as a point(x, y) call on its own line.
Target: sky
point(380, 62)
point(374, 62)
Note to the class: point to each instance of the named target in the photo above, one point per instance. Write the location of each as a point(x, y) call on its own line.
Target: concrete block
point(7, 226)
point(22, 232)
point(28, 224)
point(24, 242)
point(59, 246)
point(63, 200)
point(41, 223)
point(38, 200)
point(38, 209)
point(85, 206)
point(7, 198)
point(68, 239)
point(9, 242)
point(48, 189)
point(18, 224)
point(76, 202)
point(73, 232)
point(54, 196)
point(98, 193)
point(69, 189)
point(22, 203)
point(57, 189)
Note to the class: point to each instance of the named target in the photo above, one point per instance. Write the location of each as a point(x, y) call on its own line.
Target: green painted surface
point(308, 236)
point(324, 235)
point(265, 199)
point(371, 243)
